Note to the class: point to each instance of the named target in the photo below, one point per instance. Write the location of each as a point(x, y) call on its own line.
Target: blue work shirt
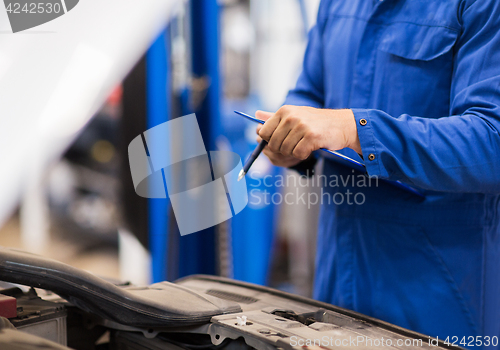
point(423, 80)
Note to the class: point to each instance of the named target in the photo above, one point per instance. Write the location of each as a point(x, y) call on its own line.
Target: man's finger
point(273, 157)
point(263, 115)
point(291, 141)
point(278, 137)
point(268, 128)
point(302, 150)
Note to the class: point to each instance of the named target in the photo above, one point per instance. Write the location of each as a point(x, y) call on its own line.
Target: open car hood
point(159, 305)
point(210, 310)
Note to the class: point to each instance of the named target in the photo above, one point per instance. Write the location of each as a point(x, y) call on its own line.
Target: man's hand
point(294, 132)
point(276, 158)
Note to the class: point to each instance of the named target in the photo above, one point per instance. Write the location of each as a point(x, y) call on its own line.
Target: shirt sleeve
point(457, 153)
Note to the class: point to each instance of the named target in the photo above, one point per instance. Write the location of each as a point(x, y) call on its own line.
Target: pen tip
point(241, 175)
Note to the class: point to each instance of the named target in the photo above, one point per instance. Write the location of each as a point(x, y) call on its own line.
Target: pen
point(255, 154)
point(257, 151)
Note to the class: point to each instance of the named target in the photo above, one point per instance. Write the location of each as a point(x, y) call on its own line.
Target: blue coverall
point(423, 80)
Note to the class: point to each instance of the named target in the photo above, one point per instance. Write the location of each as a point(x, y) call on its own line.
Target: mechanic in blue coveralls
point(414, 88)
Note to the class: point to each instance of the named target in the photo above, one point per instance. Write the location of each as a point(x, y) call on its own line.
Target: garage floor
point(100, 260)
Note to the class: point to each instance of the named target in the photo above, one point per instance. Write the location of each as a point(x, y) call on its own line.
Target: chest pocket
point(414, 68)
point(417, 42)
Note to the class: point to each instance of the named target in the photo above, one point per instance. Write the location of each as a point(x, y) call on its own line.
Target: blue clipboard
point(344, 160)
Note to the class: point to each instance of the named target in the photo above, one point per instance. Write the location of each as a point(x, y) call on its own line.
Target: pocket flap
point(417, 42)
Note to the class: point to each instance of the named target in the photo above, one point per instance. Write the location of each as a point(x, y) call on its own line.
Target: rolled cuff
point(371, 155)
